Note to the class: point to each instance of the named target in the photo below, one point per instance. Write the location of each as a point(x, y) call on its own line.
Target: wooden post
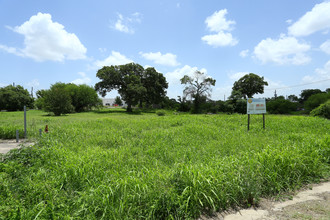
point(263, 119)
point(248, 122)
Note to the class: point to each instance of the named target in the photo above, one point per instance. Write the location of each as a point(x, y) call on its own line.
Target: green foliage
point(197, 87)
point(13, 98)
point(316, 100)
point(112, 165)
point(58, 100)
point(134, 84)
point(281, 106)
point(323, 110)
point(64, 98)
point(248, 85)
point(160, 113)
point(305, 94)
point(118, 101)
point(83, 97)
point(155, 84)
point(9, 132)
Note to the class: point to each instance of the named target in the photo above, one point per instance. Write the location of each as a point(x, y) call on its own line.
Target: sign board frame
point(256, 106)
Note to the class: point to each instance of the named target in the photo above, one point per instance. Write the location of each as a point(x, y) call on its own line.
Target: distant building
point(111, 102)
point(108, 102)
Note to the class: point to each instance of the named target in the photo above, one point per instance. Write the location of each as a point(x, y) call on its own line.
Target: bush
point(323, 110)
point(281, 106)
point(316, 100)
point(160, 112)
point(13, 98)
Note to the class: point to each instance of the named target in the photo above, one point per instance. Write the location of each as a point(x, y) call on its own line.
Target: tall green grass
point(113, 165)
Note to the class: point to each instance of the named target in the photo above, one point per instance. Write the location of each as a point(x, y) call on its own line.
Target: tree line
point(146, 88)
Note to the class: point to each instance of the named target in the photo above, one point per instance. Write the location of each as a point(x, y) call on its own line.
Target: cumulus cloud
point(321, 75)
point(237, 76)
point(47, 40)
point(175, 76)
point(125, 24)
point(325, 47)
point(285, 50)
point(244, 53)
point(218, 23)
point(115, 58)
point(220, 39)
point(318, 19)
point(167, 59)
point(82, 80)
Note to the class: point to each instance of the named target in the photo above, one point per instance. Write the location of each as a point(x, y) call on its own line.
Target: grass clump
point(160, 112)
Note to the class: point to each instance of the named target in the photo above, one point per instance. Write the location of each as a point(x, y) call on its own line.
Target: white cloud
point(175, 76)
point(103, 50)
point(33, 83)
point(83, 80)
point(221, 26)
point(115, 58)
point(320, 74)
point(237, 76)
point(285, 50)
point(315, 20)
point(325, 47)
point(244, 53)
point(220, 39)
point(167, 59)
point(217, 22)
point(289, 21)
point(12, 50)
point(124, 24)
point(47, 40)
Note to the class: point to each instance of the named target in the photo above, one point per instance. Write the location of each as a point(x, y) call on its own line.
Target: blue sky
point(287, 42)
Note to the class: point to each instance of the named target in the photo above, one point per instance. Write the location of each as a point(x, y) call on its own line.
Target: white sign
point(256, 106)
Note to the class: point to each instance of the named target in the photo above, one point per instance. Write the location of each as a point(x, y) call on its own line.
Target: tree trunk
point(129, 107)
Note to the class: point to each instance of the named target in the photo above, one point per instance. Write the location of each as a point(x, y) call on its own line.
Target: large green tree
point(132, 83)
point(249, 85)
point(197, 87)
point(155, 84)
point(57, 99)
point(305, 94)
point(13, 98)
point(83, 97)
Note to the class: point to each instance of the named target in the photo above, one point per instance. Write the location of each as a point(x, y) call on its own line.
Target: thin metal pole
point(24, 121)
point(248, 122)
point(17, 136)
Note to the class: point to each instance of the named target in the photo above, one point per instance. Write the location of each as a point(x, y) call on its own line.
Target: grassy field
point(113, 165)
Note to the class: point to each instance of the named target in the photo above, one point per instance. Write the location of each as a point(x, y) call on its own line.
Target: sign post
point(256, 106)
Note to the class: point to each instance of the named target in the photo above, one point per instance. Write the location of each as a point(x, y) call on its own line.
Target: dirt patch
point(313, 203)
point(7, 145)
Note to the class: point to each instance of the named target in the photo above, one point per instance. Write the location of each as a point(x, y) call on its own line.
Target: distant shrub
point(160, 112)
point(281, 106)
point(323, 110)
point(316, 100)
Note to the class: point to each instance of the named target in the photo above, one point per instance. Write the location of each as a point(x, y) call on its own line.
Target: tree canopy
point(64, 98)
point(249, 85)
point(198, 87)
point(13, 98)
point(134, 83)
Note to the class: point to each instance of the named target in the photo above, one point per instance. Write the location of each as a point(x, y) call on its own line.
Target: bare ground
point(311, 203)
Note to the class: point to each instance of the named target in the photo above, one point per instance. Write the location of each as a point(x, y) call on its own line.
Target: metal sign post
point(24, 121)
point(256, 106)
